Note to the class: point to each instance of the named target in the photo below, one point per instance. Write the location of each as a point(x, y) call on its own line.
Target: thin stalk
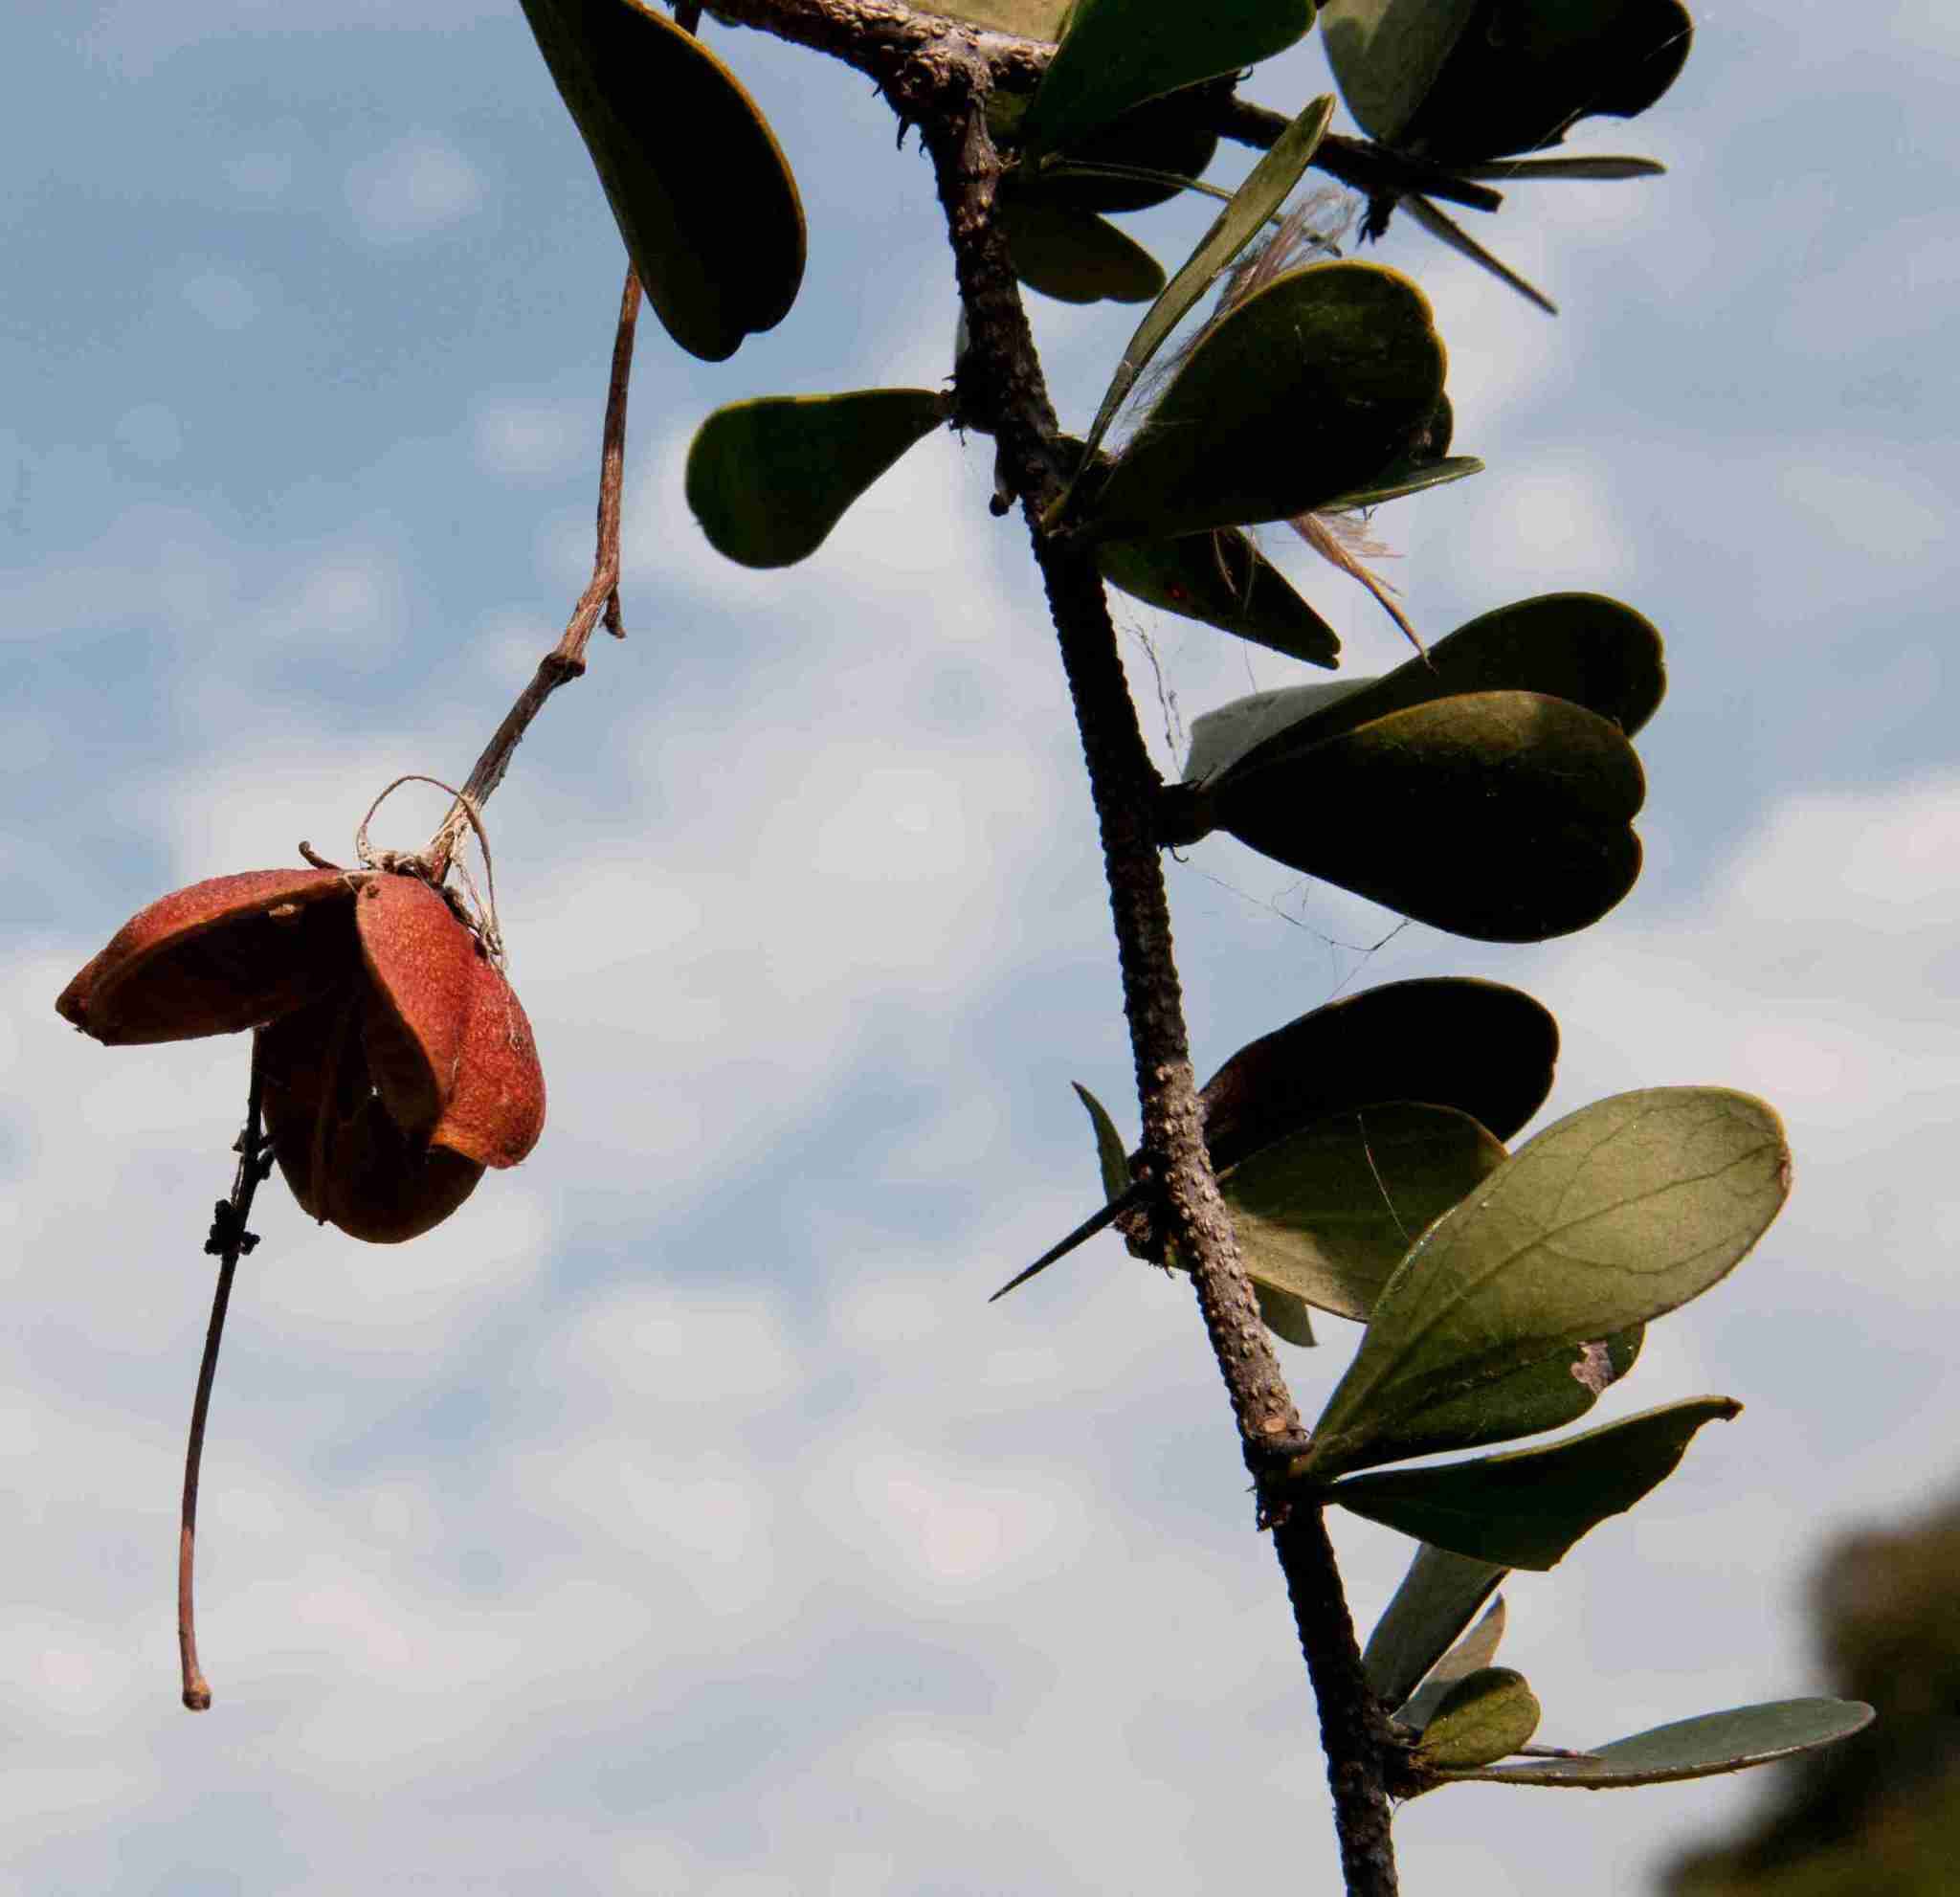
point(227, 1241)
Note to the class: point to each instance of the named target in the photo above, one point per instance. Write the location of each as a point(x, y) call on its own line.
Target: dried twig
point(567, 659)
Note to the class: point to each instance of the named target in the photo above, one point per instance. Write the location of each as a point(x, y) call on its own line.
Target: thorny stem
point(877, 36)
point(999, 386)
point(229, 1241)
point(567, 659)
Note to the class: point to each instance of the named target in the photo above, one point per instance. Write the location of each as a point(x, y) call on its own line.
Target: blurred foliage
point(1880, 1813)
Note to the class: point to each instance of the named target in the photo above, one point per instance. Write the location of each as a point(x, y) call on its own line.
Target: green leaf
point(1438, 1599)
point(1548, 64)
point(1388, 54)
point(1581, 647)
point(1450, 1040)
point(1263, 193)
point(1610, 1218)
point(1476, 1046)
point(698, 184)
point(1405, 478)
point(1716, 1742)
point(1445, 229)
point(1500, 816)
point(1521, 170)
point(1110, 1157)
point(1171, 136)
point(1074, 256)
point(1526, 1508)
point(1300, 393)
point(1025, 19)
point(1328, 1213)
point(1224, 580)
point(1461, 82)
point(1474, 1652)
point(1116, 54)
point(1286, 1317)
point(1548, 1394)
point(1486, 1716)
point(770, 479)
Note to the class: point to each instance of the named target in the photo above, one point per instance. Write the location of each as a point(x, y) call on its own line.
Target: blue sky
point(678, 1518)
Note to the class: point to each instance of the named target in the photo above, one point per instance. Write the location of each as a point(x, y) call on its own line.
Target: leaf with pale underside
point(1436, 1600)
point(1701, 1747)
point(1262, 194)
point(701, 193)
point(1486, 1716)
point(1302, 391)
point(1610, 1218)
point(1116, 54)
point(769, 479)
point(1526, 1507)
point(1328, 1212)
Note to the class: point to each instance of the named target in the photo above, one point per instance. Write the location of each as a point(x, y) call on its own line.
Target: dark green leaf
point(1716, 1742)
point(1408, 476)
point(696, 181)
point(1517, 82)
point(1450, 1040)
point(1301, 392)
point(1610, 1218)
point(1110, 1158)
point(1172, 137)
point(1328, 1212)
point(1116, 54)
point(1475, 1650)
point(1526, 1507)
point(1074, 256)
point(1500, 816)
point(1234, 226)
point(1439, 1597)
point(1387, 56)
point(1521, 170)
point(1485, 1716)
point(1582, 647)
point(770, 479)
point(1445, 229)
point(1224, 580)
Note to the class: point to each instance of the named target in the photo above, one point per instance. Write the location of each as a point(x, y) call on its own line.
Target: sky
point(679, 1518)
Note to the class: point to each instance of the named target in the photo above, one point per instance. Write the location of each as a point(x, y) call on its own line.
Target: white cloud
point(528, 439)
point(418, 186)
point(224, 301)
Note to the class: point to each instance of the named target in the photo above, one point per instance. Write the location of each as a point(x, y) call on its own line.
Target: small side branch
point(567, 659)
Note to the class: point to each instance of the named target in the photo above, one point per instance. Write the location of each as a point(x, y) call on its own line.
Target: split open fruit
point(395, 1061)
